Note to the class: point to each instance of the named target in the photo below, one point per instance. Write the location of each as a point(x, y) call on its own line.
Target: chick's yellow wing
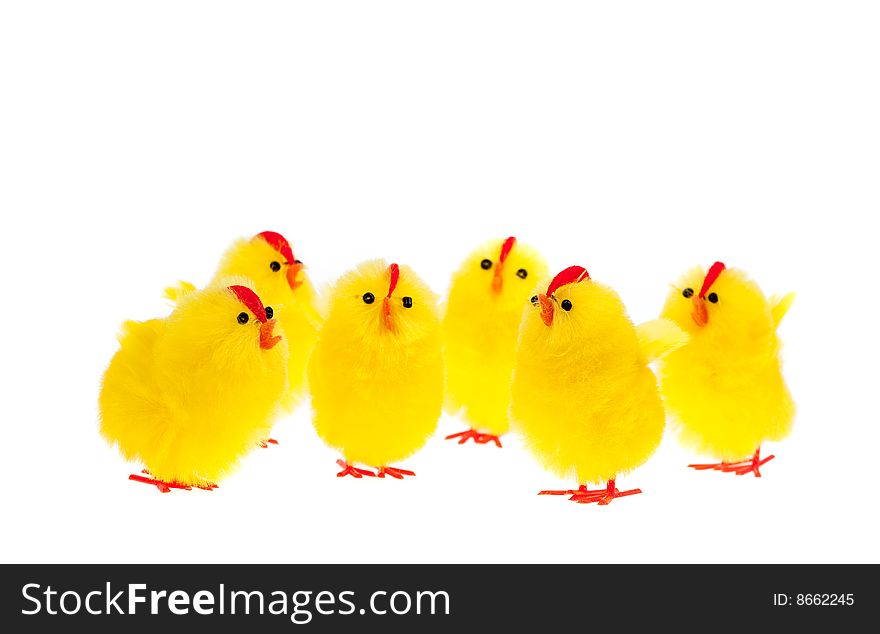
point(309, 301)
point(779, 306)
point(178, 291)
point(659, 337)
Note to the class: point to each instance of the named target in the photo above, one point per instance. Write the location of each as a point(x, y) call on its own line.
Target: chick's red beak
point(293, 270)
point(267, 340)
point(386, 314)
point(547, 311)
point(699, 312)
point(497, 281)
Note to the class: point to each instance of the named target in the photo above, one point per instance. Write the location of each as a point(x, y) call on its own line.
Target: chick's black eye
point(369, 298)
point(243, 318)
point(712, 297)
point(275, 266)
point(407, 302)
point(522, 274)
point(269, 312)
point(534, 299)
point(688, 293)
point(486, 264)
point(566, 304)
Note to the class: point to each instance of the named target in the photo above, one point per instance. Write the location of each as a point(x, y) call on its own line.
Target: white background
point(137, 140)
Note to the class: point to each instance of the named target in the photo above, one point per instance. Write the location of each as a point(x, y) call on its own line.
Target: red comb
point(279, 243)
point(251, 300)
point(568, 276)
point(395, 274)
point(505, 249)
point(711, 276)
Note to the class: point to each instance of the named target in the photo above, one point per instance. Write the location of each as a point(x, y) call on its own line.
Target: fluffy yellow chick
point(376, 374)
point(582, 393)
point(280, 280)
point(190, 394)
point(480, 329)
point(725, 387)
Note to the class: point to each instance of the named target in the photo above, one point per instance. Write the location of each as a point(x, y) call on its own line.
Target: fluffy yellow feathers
point(480, 330)
point(190, 394)
point(582, 394)
point(725, 387)
point(281, 281)
point(376, 374)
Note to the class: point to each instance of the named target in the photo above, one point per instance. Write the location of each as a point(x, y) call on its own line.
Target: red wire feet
point(739, 468)
point(269, 441)
point(582, 495)
point(394, 472)
point(165, 487)
point(477, 437)
point(353, 471)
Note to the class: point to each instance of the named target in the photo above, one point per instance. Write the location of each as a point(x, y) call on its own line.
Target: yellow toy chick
point(280, 280)
point(376, 374)
point(480, 329)
point(725, 387)
point(582, 394)
point(190, 394)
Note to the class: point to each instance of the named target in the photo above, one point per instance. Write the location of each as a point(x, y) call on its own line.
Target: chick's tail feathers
point(128, 396)
point(178, 291)
point(659, 337)
point(779, 306)
point(139, 337)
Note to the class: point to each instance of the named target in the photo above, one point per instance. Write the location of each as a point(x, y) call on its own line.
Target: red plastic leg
point(477, 437)
point(464, 436)
point(353, 471)
point(487, 438)
point(394, 472)
point(581, 489)
point(739, 468)
point(164, 487)
point(265, 443)
point(751, 466)
point(603, 497)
